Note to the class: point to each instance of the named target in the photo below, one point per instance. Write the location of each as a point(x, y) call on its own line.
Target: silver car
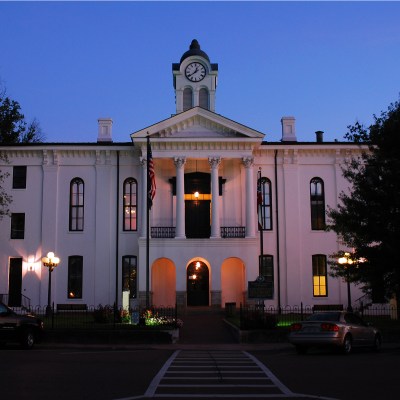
point(338, 329)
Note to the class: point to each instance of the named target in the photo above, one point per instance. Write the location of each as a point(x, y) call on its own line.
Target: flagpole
point(148, 229)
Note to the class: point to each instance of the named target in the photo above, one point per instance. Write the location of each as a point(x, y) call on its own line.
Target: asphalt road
point(106, 373)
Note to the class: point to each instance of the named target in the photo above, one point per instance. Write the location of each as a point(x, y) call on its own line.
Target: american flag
point(260, 202)
point(151, 184)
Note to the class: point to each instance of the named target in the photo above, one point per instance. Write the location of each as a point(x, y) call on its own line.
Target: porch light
point(31, 260)
point(196, 195)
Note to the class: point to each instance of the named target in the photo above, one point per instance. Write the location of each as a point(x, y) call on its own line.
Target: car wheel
point(301, 349)
point(28, 339)
point(347, 345)
point(377, 343)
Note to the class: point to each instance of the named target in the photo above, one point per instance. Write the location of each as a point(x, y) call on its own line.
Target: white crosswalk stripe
point(229, 374)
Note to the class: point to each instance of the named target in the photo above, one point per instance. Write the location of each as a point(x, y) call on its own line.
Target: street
point(134, 372)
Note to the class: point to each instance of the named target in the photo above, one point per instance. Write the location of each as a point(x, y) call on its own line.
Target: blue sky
point(327, 64)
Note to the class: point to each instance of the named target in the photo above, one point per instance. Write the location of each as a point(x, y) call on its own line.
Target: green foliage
point(13, 127)
point(5, 199)
point(368, 217)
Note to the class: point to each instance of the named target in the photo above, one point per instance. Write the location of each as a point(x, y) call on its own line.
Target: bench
point(71, 307)
point(327, 307)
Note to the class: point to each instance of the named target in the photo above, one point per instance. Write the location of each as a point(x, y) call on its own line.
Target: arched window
point(76, 205)
point(75, 277)
point(187, 99)
point(317, 199)
point(130, 204)
point(264, 200)
point(203, 99)
point(319, 271)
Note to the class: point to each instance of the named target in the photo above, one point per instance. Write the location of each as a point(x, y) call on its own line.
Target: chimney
point(105, 130)
point(319, 136)
point(288, 129)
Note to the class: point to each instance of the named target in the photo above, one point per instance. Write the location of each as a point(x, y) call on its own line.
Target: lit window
point(320, 284)
point(130, 206)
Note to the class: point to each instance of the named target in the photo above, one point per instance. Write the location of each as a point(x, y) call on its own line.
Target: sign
point(260, 289)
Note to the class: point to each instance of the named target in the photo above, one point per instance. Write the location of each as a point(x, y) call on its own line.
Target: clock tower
point(195, 80)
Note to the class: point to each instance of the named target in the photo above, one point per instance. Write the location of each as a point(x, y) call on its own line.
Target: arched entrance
point(232, 281)
point(163, 283)
point(197, 284)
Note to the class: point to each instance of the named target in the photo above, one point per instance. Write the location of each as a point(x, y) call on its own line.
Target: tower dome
point(194, 50)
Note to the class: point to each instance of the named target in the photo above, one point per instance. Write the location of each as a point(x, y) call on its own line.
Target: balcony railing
point(163, 232)
point(168, 232)
point(233, 232)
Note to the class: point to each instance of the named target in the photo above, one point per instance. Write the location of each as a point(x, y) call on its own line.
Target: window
point(76, 203)
point(266, 263)
point(320, 284)
point(130, 207)
point(75, 277)
point(317, 197)
point(17, 225)
point(129, 276)
point(265, 207)
point(19, 177)
point(203, 99)
point(187, 99)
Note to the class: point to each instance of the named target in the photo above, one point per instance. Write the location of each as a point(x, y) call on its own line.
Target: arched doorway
point(232, 281)
point(197, 284)
point(163, 283)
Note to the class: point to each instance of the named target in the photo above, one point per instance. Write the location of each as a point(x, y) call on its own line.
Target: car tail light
point(295, 327)
point(329, 327)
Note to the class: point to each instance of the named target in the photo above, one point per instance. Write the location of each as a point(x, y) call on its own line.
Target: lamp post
point(346, 261)
point(50, 262)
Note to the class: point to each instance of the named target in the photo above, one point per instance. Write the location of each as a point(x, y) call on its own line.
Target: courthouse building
point(86, 202)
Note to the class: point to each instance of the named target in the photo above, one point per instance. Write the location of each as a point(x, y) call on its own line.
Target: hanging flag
point(260, 202)
point(151, 182)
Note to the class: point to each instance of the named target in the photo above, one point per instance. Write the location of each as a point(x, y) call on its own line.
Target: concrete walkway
point(204, 325)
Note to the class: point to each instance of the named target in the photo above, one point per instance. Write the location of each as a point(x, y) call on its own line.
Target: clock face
point(195, 72)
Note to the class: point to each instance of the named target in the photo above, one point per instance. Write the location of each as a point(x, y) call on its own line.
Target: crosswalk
point(229, 374)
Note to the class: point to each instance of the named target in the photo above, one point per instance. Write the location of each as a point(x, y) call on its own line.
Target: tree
point(368, 217)
point(13, 127)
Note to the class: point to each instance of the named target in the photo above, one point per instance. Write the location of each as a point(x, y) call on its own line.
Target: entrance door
point(197, 218)
point(15, 282)
point(197, 284)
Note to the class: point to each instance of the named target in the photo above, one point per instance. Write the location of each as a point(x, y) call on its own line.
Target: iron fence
point(258, 316)
point(107, 317)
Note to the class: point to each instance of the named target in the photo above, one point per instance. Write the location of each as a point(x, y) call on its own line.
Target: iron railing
point(107, 317)
point(162, 232)
point(233, 232)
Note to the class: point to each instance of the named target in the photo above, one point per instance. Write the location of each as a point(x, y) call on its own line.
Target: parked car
point(24, 329)
point(338, 329)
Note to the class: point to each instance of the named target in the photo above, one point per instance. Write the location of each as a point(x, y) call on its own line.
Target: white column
point(180, 197)
point(215, 222)
point(248, 163)
point(143, 162)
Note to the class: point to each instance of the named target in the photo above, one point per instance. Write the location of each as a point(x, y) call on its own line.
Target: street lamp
point(346, 260)
point(50, 261)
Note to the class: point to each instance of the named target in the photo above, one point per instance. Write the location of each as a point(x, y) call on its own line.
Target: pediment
point(198, 124)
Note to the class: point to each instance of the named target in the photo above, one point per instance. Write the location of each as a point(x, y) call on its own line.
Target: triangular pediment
point(198, 124)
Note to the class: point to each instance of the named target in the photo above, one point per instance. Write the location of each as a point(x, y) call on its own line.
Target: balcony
point(168, 232)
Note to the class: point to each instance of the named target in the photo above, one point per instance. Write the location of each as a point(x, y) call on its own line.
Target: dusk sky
point(327, 64)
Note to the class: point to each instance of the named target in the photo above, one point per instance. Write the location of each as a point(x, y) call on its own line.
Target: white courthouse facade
point(86, 202)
